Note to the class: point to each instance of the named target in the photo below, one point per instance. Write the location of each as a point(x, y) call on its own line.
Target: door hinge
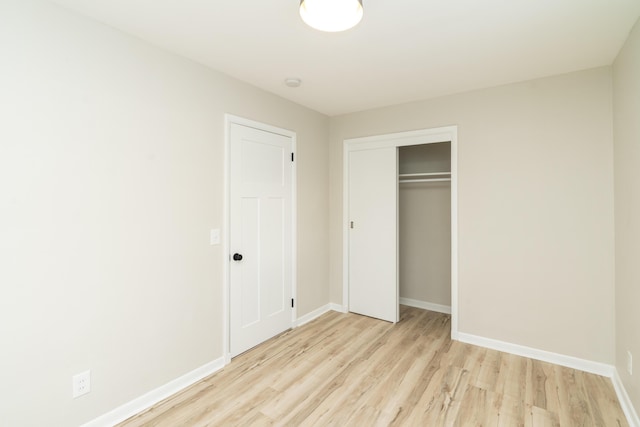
point(292, 157)
point(292, 303)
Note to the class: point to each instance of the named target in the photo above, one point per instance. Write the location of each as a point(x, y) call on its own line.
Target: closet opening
point(424, 226)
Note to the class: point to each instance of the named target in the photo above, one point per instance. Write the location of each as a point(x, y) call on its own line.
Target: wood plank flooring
point(351, 370)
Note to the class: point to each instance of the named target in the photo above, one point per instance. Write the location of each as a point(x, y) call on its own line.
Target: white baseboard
point(338, 307)
point(426, 305)
point(319, 312)
point(545, 356)
point(312, 316)
point(625, 401)
point(149, 399)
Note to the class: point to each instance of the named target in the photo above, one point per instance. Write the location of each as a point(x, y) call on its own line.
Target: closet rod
point(418, 175)
point(402, 181)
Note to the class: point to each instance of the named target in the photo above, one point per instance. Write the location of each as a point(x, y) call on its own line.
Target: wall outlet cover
point(81, 383)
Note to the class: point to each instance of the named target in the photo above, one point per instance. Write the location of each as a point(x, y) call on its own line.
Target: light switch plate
point(214, 237)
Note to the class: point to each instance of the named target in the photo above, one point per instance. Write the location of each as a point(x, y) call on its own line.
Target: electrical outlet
point(629, 362)
point(81, 383)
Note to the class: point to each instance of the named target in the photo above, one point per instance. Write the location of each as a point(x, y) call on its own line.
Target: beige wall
point(111, 175)
point(536, 264)
point(626, 112)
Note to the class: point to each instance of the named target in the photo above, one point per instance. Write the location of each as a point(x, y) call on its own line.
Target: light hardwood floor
point(351, 370)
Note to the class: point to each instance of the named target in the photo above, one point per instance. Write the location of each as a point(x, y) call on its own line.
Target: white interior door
point(261, 229)
point(373, 210)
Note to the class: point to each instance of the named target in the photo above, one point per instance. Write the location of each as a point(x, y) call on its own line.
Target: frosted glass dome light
point(331, 15)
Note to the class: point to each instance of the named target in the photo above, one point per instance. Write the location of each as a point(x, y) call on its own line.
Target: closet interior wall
point(425, 225)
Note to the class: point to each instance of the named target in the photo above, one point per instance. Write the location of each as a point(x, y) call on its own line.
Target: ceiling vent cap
point(293, 82)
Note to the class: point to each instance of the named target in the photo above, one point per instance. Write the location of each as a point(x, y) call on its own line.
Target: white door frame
point(402, 139)
point(230, 119)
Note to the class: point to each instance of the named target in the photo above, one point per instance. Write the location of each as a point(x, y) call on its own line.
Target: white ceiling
point(403, 50)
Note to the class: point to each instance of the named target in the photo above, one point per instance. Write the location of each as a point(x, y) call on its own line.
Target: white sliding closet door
point(373, 263)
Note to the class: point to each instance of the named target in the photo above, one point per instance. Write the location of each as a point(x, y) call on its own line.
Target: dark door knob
point(237, 257)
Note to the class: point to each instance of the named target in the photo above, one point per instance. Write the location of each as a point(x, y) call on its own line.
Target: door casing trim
point(230, 119)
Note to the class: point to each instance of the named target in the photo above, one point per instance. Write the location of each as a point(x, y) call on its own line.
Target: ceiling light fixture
point(331, 15)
